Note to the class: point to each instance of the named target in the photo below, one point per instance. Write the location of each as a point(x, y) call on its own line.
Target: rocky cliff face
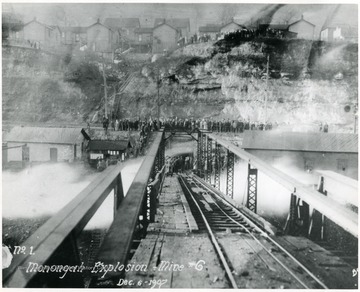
point(308, 82)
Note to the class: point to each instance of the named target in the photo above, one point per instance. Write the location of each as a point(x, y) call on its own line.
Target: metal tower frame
point(217, 166)
point(208, 161)
point(230, 174)
point(251, 203)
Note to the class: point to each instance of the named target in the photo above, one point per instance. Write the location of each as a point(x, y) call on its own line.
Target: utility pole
point(105, 89)
point(267, 86)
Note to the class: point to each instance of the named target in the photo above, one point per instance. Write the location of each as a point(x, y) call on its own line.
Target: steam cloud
point(43, 190)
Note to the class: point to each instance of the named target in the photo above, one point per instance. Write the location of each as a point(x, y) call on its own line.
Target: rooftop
point(44, 135)
point(116, 145)
point(209, 28)
point(144, 30)
point(174, 22)
point(122, 22)
point(296, 141)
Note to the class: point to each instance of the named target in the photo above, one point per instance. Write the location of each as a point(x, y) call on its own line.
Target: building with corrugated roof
point(331, 151)
point(37, 144)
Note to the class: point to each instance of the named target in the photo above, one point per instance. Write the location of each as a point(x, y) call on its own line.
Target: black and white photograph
point(163, 145)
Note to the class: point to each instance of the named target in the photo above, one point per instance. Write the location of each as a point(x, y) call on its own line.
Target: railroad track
point(214, 214)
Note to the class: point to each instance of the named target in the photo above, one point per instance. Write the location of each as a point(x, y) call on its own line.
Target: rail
point(333, 211)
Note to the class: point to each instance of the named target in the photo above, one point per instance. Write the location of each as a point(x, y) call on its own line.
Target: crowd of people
point(145, 125)
point(244, 33)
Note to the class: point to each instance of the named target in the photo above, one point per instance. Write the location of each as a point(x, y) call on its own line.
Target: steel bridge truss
point(230, 174)
point(208, 168)
point(251, 202)
point(217, 165)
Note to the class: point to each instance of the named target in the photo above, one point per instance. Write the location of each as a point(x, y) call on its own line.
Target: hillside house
point(339, 32)
point(303, 28)
point(108, 150)
point(100, 38)
point(231, 27)
point(41, 35)
point(182, 25)
point(211, 30)
point(36, 144)
point(165, 38)
point(124, 27)
point(74, 36)
point(143, 43)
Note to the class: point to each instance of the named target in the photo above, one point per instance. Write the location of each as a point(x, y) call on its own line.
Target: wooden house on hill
point(303, 29)
point(165, 38)
point(41, 35)
point(180, 24)
point(100, 38)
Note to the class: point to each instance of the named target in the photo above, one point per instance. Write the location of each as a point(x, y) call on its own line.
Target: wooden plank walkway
point(173, 212)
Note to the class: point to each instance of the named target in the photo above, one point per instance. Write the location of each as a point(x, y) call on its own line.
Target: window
point(77, 37)
point(140, 37)
point(63, 34)
point(17, 35)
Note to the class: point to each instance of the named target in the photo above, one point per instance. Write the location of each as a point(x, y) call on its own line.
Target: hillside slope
point(309, 82)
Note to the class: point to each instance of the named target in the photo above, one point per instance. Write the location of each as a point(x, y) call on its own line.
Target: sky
point(84, 14)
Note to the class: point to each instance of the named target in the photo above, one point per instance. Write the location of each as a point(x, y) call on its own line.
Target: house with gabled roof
point(165, 38)
point(181, 24)
point(100, 38)
point(339, 32)
point(42, 35)
point(41, 144)
point(303, 28)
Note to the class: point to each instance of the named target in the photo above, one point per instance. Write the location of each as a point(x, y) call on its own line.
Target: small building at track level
point(43, 144)
point(108, 150)
point(309, 151)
